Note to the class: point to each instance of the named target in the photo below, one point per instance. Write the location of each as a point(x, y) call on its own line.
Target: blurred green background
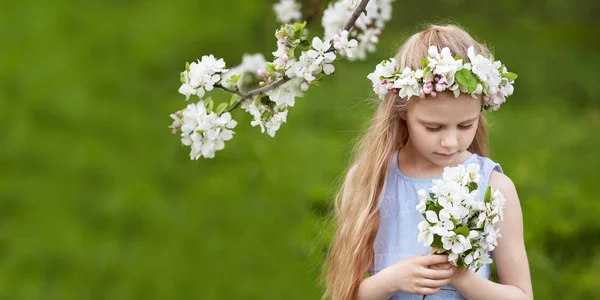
point(99, 201)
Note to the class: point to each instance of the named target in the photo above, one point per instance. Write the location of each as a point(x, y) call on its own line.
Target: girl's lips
point(445, 155)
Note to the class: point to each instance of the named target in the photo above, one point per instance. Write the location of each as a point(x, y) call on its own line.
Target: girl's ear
point(403, 115)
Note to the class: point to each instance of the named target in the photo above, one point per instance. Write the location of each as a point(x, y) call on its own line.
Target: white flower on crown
point(443, 64)
point(287, 11)
point(483, 78)
point(408, 84)
point(378, 77)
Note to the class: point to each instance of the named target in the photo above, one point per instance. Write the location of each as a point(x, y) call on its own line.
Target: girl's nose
point(450, 140)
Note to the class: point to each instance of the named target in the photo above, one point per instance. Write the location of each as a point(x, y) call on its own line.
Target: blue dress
point(397, 234)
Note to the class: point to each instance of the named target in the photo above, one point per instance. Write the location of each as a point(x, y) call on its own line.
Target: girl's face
point(442, 128)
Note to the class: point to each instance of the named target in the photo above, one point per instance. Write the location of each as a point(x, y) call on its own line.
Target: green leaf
point(424, 62)
point(437, 242)
point(488, 195)
point(472, 186)
point(209, 103)
point(221, 108)
point(182, 77)
point(187, 66)
point(465, 78)
point(270, 67)
point(510, 76)
point(463, 230)
point(233, 99)
point(299, 26)
point(427, 72)
point(457, 57)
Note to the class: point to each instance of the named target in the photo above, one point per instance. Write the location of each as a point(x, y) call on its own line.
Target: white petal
point(431, 216)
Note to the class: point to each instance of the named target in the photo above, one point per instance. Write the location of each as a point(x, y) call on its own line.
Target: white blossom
point(201, 76)
point(454, 211)
point(408, 84)
point(287, 11)
point(204, 132)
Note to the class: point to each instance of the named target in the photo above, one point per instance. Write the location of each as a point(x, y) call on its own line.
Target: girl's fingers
point(426, 291)
point(434, 284)
point(438, 274)
point(434, 259)
point(443, 266)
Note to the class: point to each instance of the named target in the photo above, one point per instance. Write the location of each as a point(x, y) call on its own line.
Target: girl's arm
point(510, 255)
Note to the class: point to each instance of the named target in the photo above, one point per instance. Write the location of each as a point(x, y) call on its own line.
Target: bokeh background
point(99, 201)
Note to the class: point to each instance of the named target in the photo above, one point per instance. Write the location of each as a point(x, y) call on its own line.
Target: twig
point(359, 9)
point(236, 91)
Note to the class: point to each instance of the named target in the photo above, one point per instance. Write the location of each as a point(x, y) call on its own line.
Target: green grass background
point(99, 201)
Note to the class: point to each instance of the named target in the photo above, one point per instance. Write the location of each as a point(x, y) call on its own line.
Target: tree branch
point(349, 24)
point(362, 7)
point(236, 91)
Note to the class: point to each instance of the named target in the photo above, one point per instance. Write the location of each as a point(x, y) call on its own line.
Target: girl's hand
point(414, 275)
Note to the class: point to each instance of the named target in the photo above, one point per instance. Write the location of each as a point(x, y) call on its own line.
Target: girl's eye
point(461, 127)
point(433, 129)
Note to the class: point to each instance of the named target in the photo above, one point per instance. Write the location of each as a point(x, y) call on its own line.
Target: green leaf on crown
point(465, 78)
point(510, 76)
point(424, 62)
point(427, 72)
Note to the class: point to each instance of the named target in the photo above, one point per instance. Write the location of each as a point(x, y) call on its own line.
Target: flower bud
point(262, 83)
point(261, 73)
point(433, 94)
point(304, 86)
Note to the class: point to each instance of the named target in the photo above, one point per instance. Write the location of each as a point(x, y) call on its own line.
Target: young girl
point(375, 252)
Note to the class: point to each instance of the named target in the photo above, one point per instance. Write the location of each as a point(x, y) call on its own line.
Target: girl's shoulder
point(492, 171)
point(486, 164)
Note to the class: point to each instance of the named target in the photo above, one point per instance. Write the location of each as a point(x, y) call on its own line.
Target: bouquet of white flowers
point(455, 222)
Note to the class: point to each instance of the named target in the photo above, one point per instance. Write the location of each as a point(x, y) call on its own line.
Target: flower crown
point(441, 71)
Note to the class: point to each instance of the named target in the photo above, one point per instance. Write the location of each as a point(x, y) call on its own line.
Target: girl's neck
point(413, 164)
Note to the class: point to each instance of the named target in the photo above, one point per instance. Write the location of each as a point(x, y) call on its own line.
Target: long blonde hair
point(357, 200)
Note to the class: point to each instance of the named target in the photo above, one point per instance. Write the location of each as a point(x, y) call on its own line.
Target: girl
point(410, 141)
